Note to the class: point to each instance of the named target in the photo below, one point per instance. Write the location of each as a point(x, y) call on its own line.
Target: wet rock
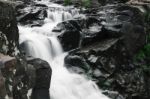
point(109, 50)
point(69, 39)
point(113, 95)
point(43, 73)
point(33, 14)
point(87, 31)
point(8, 29)
point(105, 2)
point(112, 21)
point(24, 80)
point(123, 21)
point(76, 64)
point(92, 31)
point(71, 25)
point(43, 79)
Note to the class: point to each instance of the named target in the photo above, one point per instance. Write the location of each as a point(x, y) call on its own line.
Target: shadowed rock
point(43, 79)
point(8, 29)
point(7, 66)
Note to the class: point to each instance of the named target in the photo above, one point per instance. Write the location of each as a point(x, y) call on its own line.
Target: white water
point(42, 43)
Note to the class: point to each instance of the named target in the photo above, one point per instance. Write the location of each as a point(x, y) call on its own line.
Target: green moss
point(144, 54)
point(140, 55)
point(147, 17)
point(86, 3)
point(67, 2)
point(145, 51)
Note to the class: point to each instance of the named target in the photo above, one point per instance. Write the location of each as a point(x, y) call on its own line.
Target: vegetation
point(86, 3)
point(145, 51)
point(144, 55)
point(147, 17)
point(67, 2)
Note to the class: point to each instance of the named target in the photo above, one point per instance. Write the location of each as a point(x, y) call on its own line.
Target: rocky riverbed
point(103, 44)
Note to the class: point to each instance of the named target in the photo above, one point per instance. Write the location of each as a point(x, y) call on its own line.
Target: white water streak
point(40, 44)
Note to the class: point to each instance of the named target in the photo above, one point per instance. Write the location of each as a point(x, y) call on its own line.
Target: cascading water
point(41, 43)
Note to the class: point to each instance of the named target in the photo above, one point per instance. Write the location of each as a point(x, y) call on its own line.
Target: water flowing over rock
point(41, 42)
point(102, 40)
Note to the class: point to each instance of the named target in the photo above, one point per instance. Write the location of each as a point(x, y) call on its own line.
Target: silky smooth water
point(41, 42)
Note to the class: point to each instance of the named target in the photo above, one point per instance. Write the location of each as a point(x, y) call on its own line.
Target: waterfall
point(40, 42)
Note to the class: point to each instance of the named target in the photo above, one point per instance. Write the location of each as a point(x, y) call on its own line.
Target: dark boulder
point(69, 39)
point(68, 25)
point(68, 34)
point(43, 73)
point(79, 32)
point(76, 64)
point(43, 79)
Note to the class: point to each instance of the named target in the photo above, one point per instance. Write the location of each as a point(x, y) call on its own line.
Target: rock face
point(110, 38)
point(69, 35)
point(114, 21)
point(8, 29)
point(8, 45)
point(7, 66)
